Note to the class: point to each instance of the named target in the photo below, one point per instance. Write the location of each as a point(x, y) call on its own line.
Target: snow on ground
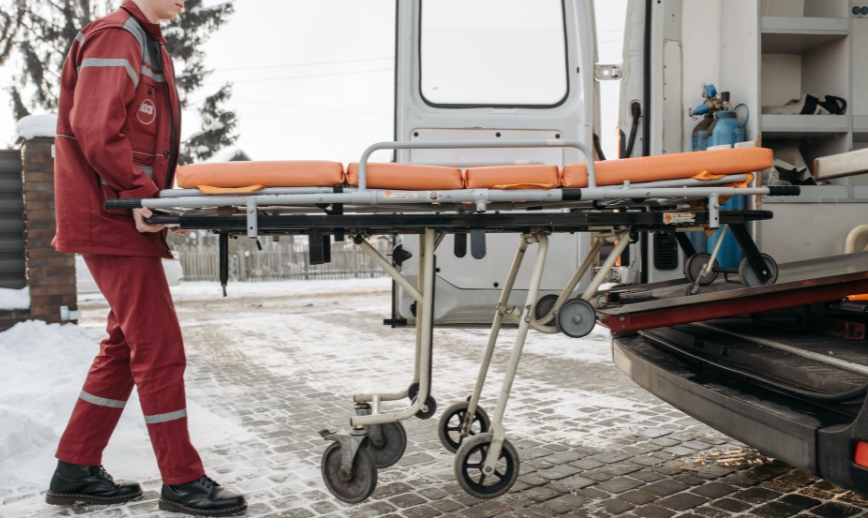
point(11, 300)
point(41, 375)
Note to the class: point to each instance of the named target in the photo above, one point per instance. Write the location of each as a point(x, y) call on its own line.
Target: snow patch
point(41, 376)
point(11, 300)
point(34, 126)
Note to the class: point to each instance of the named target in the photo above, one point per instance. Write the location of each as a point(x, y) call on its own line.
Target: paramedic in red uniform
point(118, 136)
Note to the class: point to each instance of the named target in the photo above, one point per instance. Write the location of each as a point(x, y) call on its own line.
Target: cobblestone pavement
point(283, 366)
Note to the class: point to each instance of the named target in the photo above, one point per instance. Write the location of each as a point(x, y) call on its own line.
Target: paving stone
point(620, 485)
point(616, 506)
point(586, 464)
point(541, 494)
point(638, 497)
point(421, 511)
point(564, 504)
point(835, 510)
point(682, 501)
point(407, 500)
point(576, 482)
point(800, 501)
point(653, 511)
point(756, 495)
point(775, 510)
point(714, 490)
point(665, 487)
point(731, 505)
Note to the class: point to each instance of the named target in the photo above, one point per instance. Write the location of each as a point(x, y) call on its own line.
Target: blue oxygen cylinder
point(727, 130)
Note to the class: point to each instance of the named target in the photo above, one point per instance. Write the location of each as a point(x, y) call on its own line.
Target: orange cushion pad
point(407, 177)
point(267, 174)
point(670, 167)
point(538, 176)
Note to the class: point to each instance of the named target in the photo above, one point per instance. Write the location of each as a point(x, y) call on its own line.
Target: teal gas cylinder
point(727, 131)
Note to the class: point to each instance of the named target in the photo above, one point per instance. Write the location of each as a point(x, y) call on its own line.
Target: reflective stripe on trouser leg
point(101, 401)
point(165, 418)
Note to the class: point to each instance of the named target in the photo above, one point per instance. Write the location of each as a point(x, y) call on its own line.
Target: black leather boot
point(73, 484)
point(202, 497)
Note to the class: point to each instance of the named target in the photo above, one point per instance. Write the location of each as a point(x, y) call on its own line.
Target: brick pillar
point(50, 275)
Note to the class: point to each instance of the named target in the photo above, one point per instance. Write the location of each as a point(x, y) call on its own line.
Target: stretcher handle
point(124, 203)
point(784, 190)
point(482, 144)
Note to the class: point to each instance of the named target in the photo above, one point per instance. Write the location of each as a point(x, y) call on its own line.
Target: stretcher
point(613, 200)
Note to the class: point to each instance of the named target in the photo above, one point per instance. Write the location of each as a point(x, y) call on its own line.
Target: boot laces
point(207, 482)
point(102, 473)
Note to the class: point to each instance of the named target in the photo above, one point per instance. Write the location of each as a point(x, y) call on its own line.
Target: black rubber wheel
point(431, 403)
point(361, 482)
point(577, 318)
point(692, 289)
point(693, 267)
point(749, 278)
point(449, 427)
point(412, 390)
point(392, 448)
point(468, 467)
point(544, 306)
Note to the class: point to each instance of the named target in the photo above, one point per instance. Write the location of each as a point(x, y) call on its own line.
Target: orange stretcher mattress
point(265, 174)
point(407, 177)
point(669, 167)
point(512, 177)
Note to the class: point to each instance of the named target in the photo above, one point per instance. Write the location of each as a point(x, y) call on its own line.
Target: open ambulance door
point(483, 71)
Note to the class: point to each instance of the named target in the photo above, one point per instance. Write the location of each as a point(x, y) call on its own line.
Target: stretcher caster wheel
point(749, 278)
point(692, 290)
point(427, 411)
point(353, 487)
point(451, 420)
point(577, 318)
point(393, 442)
point(693, 269)
point(544, 306)
point(469, 461)
point(412, 390)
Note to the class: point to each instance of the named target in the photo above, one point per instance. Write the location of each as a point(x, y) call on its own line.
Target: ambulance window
point(493, 53)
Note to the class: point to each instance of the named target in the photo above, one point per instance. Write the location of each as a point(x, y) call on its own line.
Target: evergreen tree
point(35, 35)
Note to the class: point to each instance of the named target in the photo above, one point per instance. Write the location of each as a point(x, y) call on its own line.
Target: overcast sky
point(314, 80)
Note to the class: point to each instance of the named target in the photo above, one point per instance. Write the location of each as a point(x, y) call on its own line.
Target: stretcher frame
point(461, 212)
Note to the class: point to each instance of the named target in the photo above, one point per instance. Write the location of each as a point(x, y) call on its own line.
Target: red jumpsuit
point(118, 136)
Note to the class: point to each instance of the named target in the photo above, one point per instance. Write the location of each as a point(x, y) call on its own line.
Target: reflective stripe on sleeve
point(103, 63)
point(80, 39)
point(164, 418)
point(160, 78)
point(101, 401)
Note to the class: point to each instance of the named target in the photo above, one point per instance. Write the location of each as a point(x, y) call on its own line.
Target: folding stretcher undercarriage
point(502, 199)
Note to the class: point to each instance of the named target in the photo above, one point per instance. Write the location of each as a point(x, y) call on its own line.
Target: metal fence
point(281, 262)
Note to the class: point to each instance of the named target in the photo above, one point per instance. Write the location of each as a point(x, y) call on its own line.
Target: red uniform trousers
point(145, 348)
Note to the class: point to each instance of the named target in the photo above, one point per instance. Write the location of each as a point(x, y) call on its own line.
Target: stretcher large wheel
point(693, 268)
point(391, 449)
point(544, 306)
point(469, 461)
point(749, 278)
point(577, 318)
point(354, 487)
point(449, 427)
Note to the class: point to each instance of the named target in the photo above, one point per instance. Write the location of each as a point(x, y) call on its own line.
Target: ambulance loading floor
point(275, 359)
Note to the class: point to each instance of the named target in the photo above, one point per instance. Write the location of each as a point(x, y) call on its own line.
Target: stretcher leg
point(492, 339)
point(493, 445)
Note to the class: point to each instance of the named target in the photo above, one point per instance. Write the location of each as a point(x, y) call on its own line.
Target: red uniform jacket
point(118, 132)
